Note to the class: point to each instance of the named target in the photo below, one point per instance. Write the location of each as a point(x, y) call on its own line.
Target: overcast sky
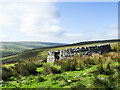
point(66, 22)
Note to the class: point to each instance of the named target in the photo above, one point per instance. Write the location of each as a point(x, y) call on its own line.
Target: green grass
point(88, 76)
point(25, 55)
point(39, 69)
point(33, 83)
point(9, 65)
point(69, 78)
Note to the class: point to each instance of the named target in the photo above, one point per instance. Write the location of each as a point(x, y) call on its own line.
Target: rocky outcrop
point(89, 50)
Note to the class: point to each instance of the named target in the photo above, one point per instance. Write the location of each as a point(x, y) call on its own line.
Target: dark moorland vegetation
point(96, 71)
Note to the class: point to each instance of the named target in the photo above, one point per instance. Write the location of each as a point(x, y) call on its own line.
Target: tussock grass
point(96, 71)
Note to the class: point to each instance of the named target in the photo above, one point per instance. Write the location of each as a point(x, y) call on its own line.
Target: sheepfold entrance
point(57, 55)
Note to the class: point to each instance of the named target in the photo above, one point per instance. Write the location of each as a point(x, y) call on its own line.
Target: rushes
point(48, 68)
point(69, 64)
point(107, 63)
point(6, 73)
point(25, 68)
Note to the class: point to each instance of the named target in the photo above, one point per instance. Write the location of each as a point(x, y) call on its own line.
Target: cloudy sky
point(66, 22)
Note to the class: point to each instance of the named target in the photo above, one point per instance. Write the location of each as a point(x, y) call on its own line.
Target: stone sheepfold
point(89, 50)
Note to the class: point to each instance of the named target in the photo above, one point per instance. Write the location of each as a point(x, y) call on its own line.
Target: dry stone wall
point(61, 54)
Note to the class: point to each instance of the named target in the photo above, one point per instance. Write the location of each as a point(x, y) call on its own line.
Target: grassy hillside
point(10, 48)
point(32, 71)
point(43, 51)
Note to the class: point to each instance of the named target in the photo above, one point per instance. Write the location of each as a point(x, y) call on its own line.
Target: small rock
point(24, 80)
point(68, 80)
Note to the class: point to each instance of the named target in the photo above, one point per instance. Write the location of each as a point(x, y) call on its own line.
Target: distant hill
point(11, 48)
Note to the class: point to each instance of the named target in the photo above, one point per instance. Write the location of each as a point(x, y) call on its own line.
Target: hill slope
point(10, 48)
point(43, 51)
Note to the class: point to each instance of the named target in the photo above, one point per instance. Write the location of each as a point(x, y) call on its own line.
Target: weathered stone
point(61, 54)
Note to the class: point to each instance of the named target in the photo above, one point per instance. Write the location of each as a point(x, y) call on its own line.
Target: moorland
point(30, 69)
